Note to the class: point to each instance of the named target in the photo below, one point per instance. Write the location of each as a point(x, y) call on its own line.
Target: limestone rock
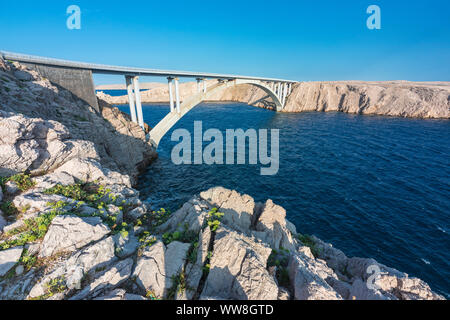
point(23, 76)
point(52, 179)
point(37, 145)
point(136, 213)
point(126, 246)
point(109, 280)
point(9, 258)
point(11, 188)
point(238, 269)
point(238, 209)
point(194, 271)
point(18, 287)
point(393, 98)
point(308, 278)
point(3, 221)
point(69, 233)
point(91, 260)
point(272, 227)
point(120, 294)
point(192, 214)
point(36, 201)
point(158, 264)
point(90, 170)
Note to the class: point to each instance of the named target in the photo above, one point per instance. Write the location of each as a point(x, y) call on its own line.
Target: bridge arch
point(158, 132)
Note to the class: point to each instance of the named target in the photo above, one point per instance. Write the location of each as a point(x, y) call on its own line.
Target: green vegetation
point(54, 286)
point(151, 295)
point(280, 259)
point(192, 253)
point(146, 240)
point(186, 235)
point(33, 229)
point(8, 208)
point(96, 196)
point(23, 181)
point(207, 265)
point(309, 242)
point(178, 285)
point(27, 261)
point(90, 193)
point(213, 219)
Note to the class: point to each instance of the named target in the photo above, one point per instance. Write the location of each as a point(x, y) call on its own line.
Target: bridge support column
point(129, 83)
point(204, 85)
point(284, 93)
point(137, 94)
point(172, 106)
point(177, 95)
point(198, 84)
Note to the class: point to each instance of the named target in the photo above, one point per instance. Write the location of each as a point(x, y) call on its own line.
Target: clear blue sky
point(301, 40)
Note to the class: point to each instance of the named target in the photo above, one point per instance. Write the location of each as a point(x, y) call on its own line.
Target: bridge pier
point(128, 81)
point(172, 105)
point(284, 93)
point(198, 84)
point(177, 95)
point(137, 96)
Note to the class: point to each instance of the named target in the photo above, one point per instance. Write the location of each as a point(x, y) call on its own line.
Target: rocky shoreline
point(73, 227)
point(388, 98)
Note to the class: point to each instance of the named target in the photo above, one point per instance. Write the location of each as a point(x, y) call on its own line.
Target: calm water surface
point(373, 186)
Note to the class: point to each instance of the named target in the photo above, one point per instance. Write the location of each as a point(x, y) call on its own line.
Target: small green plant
point(27, 260)
point(309, 242)
point(213, 219)
point(151, 295)
point(52, 287)
point(23, 181)
point(178, 285)
point(90, 193)
point(9, 209)
point(280, 259)
point(33, 229)
point(192, 253)
point(186, 235)
point(55, 286)
point(146, 240)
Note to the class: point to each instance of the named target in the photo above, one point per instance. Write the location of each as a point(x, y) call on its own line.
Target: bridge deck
point(127, 71)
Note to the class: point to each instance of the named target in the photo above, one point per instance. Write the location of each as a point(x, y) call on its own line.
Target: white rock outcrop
point(69, 233)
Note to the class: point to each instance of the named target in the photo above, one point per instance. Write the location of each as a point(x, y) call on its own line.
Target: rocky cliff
point(72, 226)
point(395, 98)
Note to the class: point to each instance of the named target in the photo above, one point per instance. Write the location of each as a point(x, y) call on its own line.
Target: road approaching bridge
point(77, 78)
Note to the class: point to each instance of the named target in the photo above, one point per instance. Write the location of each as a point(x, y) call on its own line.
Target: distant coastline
point(390, 98)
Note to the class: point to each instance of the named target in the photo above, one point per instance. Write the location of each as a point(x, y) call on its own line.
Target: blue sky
point(299, 40)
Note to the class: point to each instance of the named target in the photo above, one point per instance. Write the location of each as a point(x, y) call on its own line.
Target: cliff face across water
point(72, 226)
point(392, 98)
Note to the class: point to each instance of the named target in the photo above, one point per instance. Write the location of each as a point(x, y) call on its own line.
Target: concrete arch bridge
point(77, 78)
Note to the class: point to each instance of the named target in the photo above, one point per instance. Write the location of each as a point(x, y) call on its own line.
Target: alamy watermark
point(229, 150)
point(375, 274)
point(74, 20)
point(374, 20)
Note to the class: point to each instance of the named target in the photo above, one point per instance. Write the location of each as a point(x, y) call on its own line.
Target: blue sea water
point(373, 186)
